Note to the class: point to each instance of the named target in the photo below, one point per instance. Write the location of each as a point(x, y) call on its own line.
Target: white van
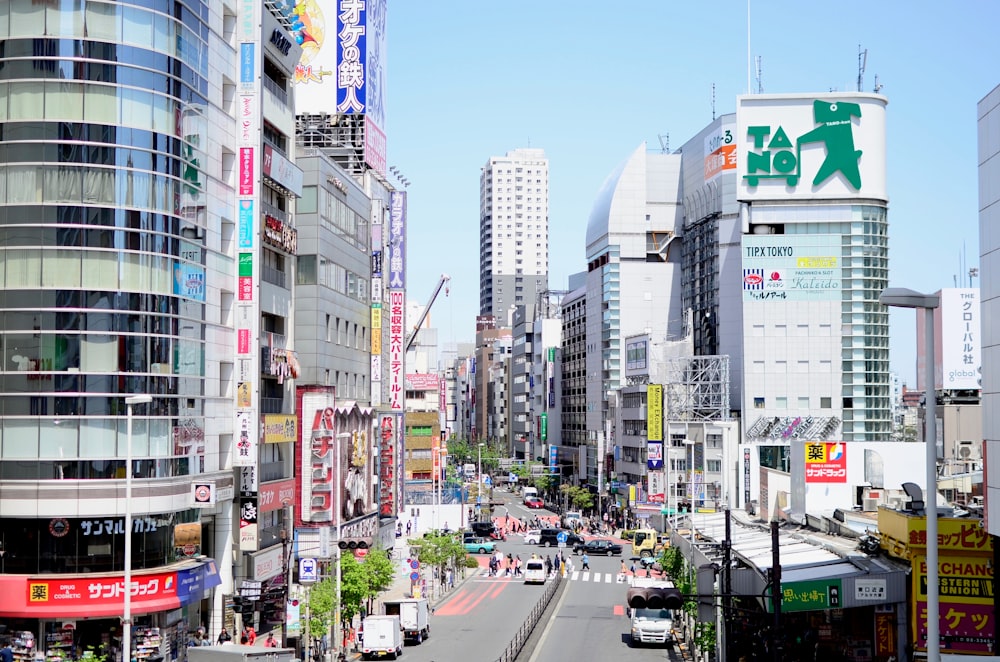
point(530, 492)
point(534, 572)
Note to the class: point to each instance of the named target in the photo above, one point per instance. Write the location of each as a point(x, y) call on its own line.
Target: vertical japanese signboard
point(397, 299)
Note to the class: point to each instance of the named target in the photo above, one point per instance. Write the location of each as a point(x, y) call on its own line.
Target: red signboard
point(826, 462)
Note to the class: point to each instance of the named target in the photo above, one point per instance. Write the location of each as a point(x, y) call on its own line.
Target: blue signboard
point(247, 67)
point(193, 582)
point(246, 224)
point(352, 55)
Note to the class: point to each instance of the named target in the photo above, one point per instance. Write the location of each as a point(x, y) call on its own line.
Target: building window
point(825, 403)
point(758, 403)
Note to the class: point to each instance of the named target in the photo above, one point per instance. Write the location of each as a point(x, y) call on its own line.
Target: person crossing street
point(586, 561)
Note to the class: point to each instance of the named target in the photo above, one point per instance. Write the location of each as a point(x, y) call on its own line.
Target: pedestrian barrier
point(517, 643)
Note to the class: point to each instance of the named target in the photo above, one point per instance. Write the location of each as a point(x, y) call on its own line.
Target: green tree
point(378, 573)
point(322, 596)
point(579, 498)
point(353, 587)
point(460, 450)
point(440, 551)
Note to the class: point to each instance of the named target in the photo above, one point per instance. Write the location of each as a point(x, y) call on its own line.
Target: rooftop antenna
point(878, 85)
point(664, 142)
point(862, 61)
point(760, 78)
point(713, 102)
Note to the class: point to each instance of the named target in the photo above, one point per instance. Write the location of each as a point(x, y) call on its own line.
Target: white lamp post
point(479, 493)
point(130, 402)
point(899, 297)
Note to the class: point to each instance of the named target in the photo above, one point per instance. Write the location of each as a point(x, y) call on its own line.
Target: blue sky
point(588, 82)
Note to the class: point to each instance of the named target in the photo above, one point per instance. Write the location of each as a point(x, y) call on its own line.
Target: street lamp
point(899, 297)
point(479, 492)
point(130, 402)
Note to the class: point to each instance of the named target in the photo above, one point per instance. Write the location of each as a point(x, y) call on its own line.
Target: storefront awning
point(97, 595)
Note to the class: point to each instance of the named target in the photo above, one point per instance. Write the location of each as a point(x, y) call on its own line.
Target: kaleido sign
point(826, 146)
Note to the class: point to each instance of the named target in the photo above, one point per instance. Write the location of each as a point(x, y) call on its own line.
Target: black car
point(550, 538)
point(486, 530)
point(598, 547)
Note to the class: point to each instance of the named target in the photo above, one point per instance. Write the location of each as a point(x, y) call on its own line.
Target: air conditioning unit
point(869, 505)
point(967, 451)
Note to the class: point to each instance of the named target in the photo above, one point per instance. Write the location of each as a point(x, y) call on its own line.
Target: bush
point(471, 562)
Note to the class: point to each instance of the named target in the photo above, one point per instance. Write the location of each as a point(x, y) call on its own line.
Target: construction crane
point(423, 316)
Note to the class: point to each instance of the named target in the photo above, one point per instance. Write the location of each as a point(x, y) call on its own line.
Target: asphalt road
point(481, 617)
point(589, 623)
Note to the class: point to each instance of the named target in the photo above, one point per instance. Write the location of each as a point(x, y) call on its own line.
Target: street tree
point(378, 574)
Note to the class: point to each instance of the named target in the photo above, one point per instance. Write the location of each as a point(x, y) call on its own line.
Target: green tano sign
point(775, 156)
point(809, 596)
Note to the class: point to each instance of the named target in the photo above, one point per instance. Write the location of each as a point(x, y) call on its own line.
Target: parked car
point(593, 547)
point(531, 536)
point(533, 502)
point(550, 538)
point(479, 545)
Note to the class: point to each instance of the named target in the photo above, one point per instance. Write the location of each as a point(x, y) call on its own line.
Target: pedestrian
point(517, 566)
point(622, 570)
point(224, 637)
point(586, 561)
point(270, 642)
point(548, 565)
point(631, 567)
point(6, 654)
point(408, 525)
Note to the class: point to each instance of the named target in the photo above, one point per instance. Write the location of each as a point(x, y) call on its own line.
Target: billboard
point(826, 462)
point(789, 267)
point(961, 340)
point(318, 457)
point(654, 412)
point(343, 65)
point(720, 151)
point(825, 146)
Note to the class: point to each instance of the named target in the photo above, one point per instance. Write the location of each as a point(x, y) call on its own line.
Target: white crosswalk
point(574, 576)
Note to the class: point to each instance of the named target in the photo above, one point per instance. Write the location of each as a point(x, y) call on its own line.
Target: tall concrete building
point(633, 275)
point(989, 247)
point(148, 241)
point(513, 231)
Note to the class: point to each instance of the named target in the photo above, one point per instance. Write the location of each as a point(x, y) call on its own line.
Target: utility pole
point(775, 593)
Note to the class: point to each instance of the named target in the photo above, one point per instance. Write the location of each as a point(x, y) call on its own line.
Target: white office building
point(989, 247)
point(513, 230)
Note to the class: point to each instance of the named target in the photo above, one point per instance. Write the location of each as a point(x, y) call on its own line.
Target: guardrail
point(523, 632)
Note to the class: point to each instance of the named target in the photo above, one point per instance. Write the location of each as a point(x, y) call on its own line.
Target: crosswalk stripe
point(575, 575)
point(607, 578)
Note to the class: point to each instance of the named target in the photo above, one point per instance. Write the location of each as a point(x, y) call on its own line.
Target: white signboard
point(869, 589)
point(823, 146)
point(308, 571)
point(961, 342)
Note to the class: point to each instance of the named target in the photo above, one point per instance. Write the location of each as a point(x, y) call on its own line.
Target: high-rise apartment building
point(513, 231)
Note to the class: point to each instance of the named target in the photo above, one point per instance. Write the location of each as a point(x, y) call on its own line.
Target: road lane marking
point(575, 575)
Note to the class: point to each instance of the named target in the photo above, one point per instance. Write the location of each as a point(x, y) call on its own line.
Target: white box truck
point(651, 604)
point(381, 636)
point(414, 617)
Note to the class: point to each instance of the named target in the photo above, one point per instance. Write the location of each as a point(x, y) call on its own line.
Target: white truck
point(414, 617)
point(651, 624)
point(381, 636)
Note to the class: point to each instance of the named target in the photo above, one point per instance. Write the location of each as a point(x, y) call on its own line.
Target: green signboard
point(809, 595)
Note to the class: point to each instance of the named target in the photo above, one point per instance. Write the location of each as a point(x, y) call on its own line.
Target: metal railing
point(517, 643)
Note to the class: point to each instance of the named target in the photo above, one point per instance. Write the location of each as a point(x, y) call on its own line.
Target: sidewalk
point(401, 585)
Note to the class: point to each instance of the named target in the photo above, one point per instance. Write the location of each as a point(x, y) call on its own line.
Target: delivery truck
point(239, 653)
point(381, 636)
point(414, 617)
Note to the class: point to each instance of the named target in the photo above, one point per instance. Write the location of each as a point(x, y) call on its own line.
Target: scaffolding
point(696, 388)
point(340, 137)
